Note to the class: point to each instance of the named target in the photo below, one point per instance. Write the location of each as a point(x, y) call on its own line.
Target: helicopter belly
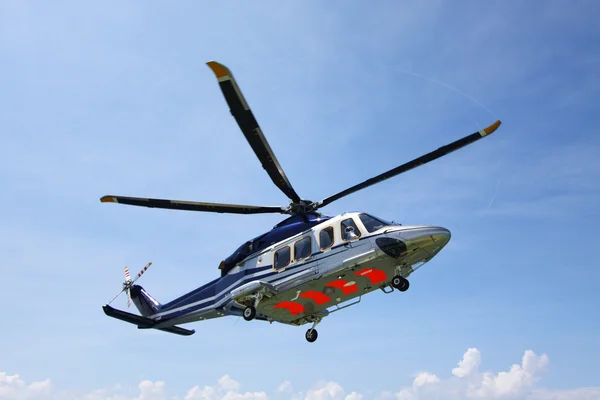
point(324, 286)
point(359, 269)
point(294, 305)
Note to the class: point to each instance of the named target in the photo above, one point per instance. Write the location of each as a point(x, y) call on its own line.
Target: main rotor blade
point(245, 119)
point(424, 159)
point(193, 206)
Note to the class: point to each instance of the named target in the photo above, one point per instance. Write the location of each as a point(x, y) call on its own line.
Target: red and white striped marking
point(142, 271)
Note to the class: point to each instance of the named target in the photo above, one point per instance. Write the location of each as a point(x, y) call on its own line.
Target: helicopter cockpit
point(372, 223)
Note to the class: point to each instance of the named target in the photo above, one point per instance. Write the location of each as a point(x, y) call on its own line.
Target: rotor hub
point(303, 207)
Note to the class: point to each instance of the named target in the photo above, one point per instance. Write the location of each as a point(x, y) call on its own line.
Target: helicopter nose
point(440, 235)
point(429, 238)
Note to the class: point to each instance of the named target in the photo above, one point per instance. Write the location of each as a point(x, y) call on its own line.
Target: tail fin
point(145, 303)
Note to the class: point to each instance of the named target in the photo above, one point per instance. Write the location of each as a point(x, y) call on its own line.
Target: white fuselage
point(324, 266)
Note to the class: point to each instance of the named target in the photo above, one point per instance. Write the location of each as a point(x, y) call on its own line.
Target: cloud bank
point(466, 381)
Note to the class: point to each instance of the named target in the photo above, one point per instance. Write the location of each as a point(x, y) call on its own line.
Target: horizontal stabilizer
point(143, 322)
point(178, 330)
point(128, 317)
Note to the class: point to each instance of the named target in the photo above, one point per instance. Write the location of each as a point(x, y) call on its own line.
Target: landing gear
point(312, 334)
point(249, 313)
point(400, 283)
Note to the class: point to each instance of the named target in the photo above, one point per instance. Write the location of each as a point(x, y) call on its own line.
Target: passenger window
point(302, 248)
point(349, 229)
point(281, 259)
point(326, 238)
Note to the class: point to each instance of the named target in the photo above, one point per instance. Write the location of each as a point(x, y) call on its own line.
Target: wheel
point(405, 285)
point(249, 313)
point(400, 283)
point(311, 335)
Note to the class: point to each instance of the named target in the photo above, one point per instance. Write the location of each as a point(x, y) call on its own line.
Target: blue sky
point(115, 98)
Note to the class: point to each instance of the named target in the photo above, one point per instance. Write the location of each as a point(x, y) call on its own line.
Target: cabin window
point(371, 223)
point(326, 238)
point(302, 248)
point(281, 259)
point(349, 229)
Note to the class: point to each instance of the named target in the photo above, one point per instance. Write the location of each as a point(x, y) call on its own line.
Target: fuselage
point(333, 261)
point(285, 229)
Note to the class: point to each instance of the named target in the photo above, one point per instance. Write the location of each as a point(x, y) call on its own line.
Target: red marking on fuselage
point(293, 307)
point(374, 275)
point(341, 284)
point(317, 297)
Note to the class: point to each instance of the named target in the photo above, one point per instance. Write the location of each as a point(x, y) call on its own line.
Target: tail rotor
point(128, 283)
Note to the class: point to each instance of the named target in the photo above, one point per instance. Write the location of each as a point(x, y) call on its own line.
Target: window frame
point(309, 248)
point(332, 238)
point(289, 260)
point(359, 233)
point(385, 224)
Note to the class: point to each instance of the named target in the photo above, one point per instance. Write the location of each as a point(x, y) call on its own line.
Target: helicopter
point(306, 267)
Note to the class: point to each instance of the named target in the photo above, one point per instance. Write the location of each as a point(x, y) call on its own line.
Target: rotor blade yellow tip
point(108, 199)
point(219, 69)
point(492, 127)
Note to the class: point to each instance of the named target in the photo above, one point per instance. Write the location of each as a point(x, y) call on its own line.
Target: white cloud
point(354, 396)
point(465, 382)
point(227, 389)
point(228, 384)
point(12, 387)
point(470, 362)
point(327, 391)
point(152, 390)
point(425, 378)
point(285, 387)
point(513, 382)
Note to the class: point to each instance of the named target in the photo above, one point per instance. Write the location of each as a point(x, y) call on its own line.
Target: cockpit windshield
point(372, 224)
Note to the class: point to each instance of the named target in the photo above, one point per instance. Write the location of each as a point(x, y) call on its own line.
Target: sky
point(114, 97)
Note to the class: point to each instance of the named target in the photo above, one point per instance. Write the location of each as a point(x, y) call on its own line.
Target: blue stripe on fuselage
point(221, 287)
point(234, 281)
